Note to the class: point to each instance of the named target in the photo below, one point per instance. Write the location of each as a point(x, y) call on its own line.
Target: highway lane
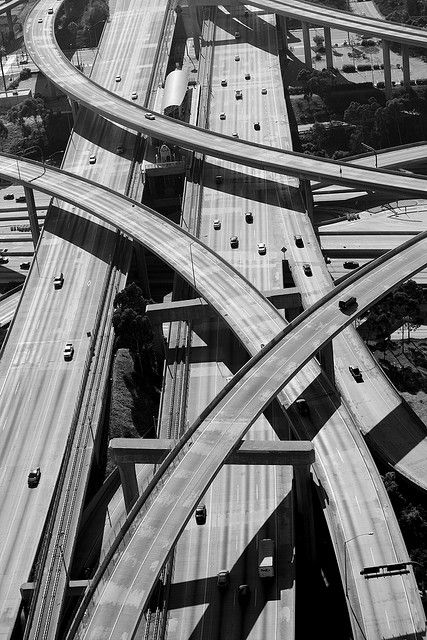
point(8, 306)
point(118, 605)
point(245, 503)
point(42, 47)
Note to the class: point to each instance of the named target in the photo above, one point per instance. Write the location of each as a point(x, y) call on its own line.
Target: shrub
point(364, 67)
point(349, 68)
point(25, 73)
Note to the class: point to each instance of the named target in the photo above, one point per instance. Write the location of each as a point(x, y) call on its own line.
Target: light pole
point(92, 27)
point(369, 148)
point(367, 533)
point(35, 146)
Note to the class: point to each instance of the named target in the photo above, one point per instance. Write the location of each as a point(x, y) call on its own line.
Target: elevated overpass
point(120, 592)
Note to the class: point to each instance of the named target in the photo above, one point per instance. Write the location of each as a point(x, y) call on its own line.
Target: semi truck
point(266, 558)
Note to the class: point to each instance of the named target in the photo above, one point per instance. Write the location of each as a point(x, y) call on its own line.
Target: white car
point(118, 78)
point(68, 351)
point(92, 159)
point(150, 116)
point(134, 96)
point(222, 116)
point(262, 249)
point(217, 224)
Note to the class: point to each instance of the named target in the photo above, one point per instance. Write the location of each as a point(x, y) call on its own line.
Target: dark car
point(350, 264)
point(219, 179)
point(25, 265)
point(234, 242)
point(243, 594)
point(3, 259)
point(20, 199)
point(239, 95)
point(201, 514)
point(8, 196)
point(249, 217)
point(34, 477)
point(307, 270)
point(302, 406)
point(299, 242)
point(223, 579)
point(355, 372)
point(58, 281)
point(257, 126)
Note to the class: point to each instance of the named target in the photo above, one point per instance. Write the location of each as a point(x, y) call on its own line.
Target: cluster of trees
point(132, 327)
point(24, 126)
point(80, 22)
point(412, 516)
point(397, 308)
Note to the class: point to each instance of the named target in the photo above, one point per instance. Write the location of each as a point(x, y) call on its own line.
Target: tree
point(4, 132)
point(131, 325)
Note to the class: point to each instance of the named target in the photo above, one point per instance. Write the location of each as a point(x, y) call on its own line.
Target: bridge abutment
point(32, 214)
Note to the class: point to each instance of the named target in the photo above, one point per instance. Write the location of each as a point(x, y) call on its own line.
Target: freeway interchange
point(237, 300)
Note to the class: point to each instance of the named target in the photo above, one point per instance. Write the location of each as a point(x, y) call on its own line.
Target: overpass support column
point(387, 69)
point(32, 214)
point(302, 477)
point(326, 359)
point(328, 47)
point(129, 483)
point(405, 65)
point(74, 109)
point(308, 197)
point(10, 23)
point(307, 46)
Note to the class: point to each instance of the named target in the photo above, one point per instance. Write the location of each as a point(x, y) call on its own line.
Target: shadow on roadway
point(224, 616)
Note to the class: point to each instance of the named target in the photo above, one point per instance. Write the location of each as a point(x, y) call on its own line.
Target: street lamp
point(26, 151)
point(369, 148)
point(367, 533)
point(92, 27)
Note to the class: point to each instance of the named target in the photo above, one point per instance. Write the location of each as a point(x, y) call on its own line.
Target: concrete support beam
point(129, 483)
point(129, 451)
point(191, 22)
point(75, 588)
point(302, 477)
point(32, 214)
point(308, 197)
point(405, 66)
point(74, 109)
point(197, 309)
point(10, 23)
point(328, 47)
point(326, 359)
point(387, 69)
point(307, 45)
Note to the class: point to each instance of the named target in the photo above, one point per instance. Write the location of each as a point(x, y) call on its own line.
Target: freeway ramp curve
point(121, 594)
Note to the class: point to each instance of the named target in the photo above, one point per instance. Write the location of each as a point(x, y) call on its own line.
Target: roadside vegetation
point(80, 23)
point(136, 377)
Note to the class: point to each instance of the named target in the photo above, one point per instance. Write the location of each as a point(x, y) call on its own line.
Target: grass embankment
point(134, 403)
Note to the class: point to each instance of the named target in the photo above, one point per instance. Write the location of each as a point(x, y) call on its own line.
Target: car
point(23, 61)
point(243, 594)
point(134, 96)
point(219, 179)
point(25, 265)
point(239, 95)
point(92, 159)
point(237, 34)
point(201, 514)
point(264, 91)
point(150, 116)
point(68, 351)
point(58, 281)
point(118, 78)
point(327, 259)
point(3, 260)
point(217, 224)
point(262, 249)
point(350, 264)
point(247, 76)
point(20, 199)
point(237, 58)
point(257, 126)
point(299, 242)
point(3, 251)
point(223, 83)
point(223, 579)
point(355, 372)
point(34, 477)
point(222, 116)
point(40, 20)
point(302, 407)
point(9, 196)
point(234, 242)
point(307, 270)
point(120, 149)
point(235, 134)
point(249, 217)
point(50, 11)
